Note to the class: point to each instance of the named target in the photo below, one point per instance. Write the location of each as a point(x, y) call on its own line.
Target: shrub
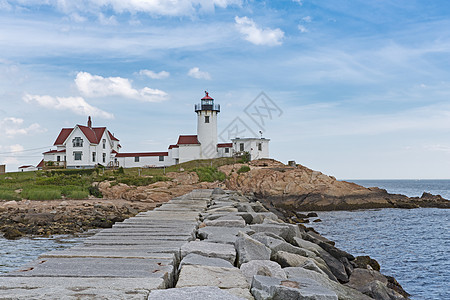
point(245, 158)
point(120, 170)
point(94, 191)
point(209, 174)
point(243, 169)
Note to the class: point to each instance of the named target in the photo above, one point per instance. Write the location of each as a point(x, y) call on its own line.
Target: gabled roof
point(142, 154)
point(93, 134)
point(187, 140)
point(112, 137)
point(225, 145)
point(173, 146)
point(65, 132)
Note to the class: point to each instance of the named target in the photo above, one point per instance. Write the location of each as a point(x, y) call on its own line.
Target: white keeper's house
point(88, 146)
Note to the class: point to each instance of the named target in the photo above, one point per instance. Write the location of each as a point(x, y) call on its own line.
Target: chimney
point(89, 122)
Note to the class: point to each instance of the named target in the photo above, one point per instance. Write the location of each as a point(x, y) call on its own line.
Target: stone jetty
point(207, 244)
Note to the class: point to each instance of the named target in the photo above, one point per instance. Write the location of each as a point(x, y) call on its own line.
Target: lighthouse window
point(260, 146)
point(206, 119)
point(241, 147)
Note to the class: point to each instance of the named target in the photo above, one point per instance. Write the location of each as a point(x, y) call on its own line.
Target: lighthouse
point(207, 126)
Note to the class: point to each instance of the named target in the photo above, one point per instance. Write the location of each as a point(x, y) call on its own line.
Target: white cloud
point(307, 19)
point(107, 20)
point(97, 86)
point(302, 28)
point(196, 73)
point(75, 104)
point(300, 2)
point(153, 7)
point(12, 127)
point(154, 75)
point(256, 35)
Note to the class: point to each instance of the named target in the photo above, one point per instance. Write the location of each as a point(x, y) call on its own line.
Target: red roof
point(23, 167)
point(225, 145)
point(114, 151)
point(112, 137)
point(142, 154)
point(207, 97)
point(173, 146)
point(54, 151)
point(187, 140)
point(93, 134)
point(40, 164)
point(62, 136)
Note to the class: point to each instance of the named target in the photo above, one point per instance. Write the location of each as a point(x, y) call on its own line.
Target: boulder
point(224, 251)
point(335, 266)
point(225, 235)
point(337, 253)
point(343, 292)
point(365, 262)
point(249, 249)
point(264, 287)
point(276, 245)
point(11, 205)
point(262, 267)
point(286, 231)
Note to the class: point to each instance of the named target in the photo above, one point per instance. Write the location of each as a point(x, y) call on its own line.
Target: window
point(94, 154)
point(77, 155)
point(104, 157)
point(161, 158)
point(260, 146)
point(241, 147)
point(136, 159)
point(206, 119)
point(104, 144)
point(77, 142)
point(58, 158)
point(227, 150)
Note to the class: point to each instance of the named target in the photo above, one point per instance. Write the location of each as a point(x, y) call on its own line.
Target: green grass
point(78, 184)
point(243, 169)
point(210, 174)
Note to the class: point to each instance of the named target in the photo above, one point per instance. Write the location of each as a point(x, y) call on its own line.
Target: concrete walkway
point(126, 261)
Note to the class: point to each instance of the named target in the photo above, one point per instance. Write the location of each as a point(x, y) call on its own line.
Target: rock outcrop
point(299, 188)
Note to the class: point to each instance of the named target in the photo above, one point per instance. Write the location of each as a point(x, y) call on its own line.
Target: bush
point(243, 169)
point(8, 195)
point(245, 158)
point(41, 194)
point(94, 191)
point(209, 174)
point(120, 170)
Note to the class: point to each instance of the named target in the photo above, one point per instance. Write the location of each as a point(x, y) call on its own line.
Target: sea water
point(15, 253)
point(413, 245)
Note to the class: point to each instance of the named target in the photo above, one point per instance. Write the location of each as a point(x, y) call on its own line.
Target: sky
point(355, 89)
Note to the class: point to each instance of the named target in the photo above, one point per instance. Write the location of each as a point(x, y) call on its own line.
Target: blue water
point(15, 253)
point(411, 245)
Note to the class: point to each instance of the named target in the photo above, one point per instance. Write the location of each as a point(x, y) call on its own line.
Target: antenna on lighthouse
point(261, 133)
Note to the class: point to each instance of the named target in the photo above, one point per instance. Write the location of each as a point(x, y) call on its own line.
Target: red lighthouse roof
point(207, 97)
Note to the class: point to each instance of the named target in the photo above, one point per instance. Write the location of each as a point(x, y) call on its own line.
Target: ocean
point(411, 245)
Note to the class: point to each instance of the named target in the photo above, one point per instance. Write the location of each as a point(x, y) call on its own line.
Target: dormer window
point(77, 142)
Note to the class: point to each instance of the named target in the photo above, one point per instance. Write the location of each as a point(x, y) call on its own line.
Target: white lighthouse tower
point(207, 126)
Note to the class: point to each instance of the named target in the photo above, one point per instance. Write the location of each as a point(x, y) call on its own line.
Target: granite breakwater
point(207, 244)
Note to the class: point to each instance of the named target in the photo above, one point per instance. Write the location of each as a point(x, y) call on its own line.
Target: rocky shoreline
point(228, 247)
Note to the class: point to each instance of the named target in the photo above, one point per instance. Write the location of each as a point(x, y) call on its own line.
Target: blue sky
point(363, 86)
